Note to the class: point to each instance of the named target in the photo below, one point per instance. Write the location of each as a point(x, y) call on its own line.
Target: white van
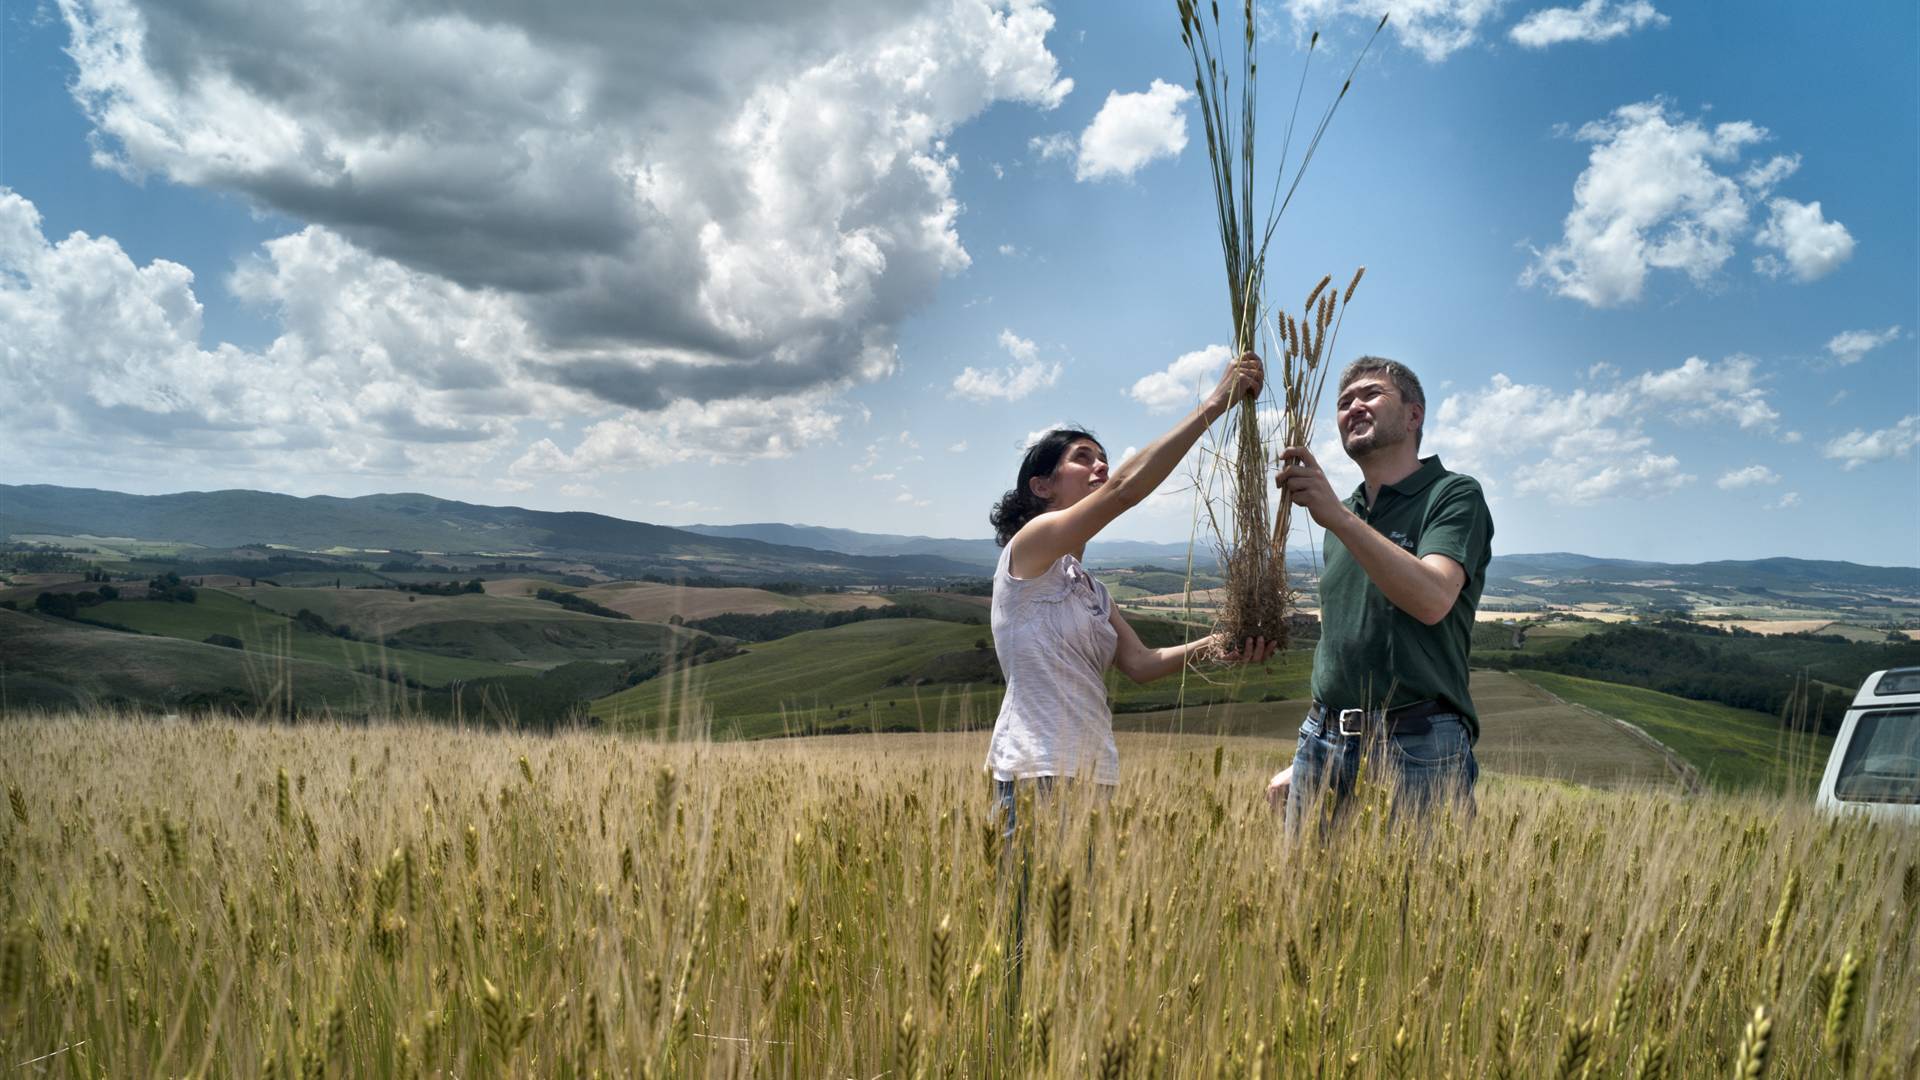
point(1875, 765)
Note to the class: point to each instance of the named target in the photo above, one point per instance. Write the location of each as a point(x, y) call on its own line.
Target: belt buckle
point(1359, 719)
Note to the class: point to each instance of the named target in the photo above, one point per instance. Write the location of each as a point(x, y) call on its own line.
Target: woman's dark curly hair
point(1021, 505)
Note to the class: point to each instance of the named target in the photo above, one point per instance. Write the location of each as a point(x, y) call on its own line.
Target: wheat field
point(223, 899)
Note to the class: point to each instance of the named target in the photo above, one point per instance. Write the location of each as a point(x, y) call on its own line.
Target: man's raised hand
point(1306, 485)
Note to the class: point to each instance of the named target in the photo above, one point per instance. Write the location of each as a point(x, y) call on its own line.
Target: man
point(1406, 558)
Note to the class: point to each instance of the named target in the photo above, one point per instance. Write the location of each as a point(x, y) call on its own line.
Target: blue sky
point(833, 263)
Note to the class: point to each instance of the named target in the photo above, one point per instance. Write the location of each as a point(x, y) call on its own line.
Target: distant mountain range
point(422, 523)
point(769, 551)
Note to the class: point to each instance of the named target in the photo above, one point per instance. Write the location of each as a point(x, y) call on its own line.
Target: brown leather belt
point(1355, 723)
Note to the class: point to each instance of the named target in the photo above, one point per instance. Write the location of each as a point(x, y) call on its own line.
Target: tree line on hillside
point(576, 602)
point(778, 624)
point(1685, 666)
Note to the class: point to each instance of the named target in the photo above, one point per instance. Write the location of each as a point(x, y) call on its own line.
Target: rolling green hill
point(901, 674)
point(849, 677)
point(272, 634)
point(54, 664)
point(1732, 748)
point(474, 626)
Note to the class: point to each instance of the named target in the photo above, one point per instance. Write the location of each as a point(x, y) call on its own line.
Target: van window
point(1883, 759)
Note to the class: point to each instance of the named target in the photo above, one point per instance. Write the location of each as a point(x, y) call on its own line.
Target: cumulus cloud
point(1595, 20)
point(1654, 196)
point(1589, 444)
point(1811, 246)
point(1702, 388)
point(377, 368)
point(1436, 29)
point(726, 432)
point(1849, 346)
point(1592, 443)
point(1859, 447)
point(1059, 144)
point(1183, 382)
point(1133, 129)
point(1019, 348)
point(1735, 479)
point(1787, 501)
point(1011, 382)
point(667, 209)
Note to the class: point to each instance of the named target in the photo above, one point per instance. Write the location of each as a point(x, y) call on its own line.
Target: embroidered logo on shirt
point(1400, 538)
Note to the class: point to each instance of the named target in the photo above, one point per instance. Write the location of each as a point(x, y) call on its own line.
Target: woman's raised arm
point(1057, 532)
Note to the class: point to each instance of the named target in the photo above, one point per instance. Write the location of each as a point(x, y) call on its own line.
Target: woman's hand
point(1254, 650)
point(1278, 787)
point(1242, 379)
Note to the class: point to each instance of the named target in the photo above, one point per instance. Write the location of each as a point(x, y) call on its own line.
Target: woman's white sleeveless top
point(1055, 641)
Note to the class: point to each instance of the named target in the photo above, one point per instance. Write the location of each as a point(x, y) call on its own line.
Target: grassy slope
point(840, 677)
point(217, 611)
point(51, 663)
point(1732, 748)
point(656, 602)
point(837, 675)
point(471, 626)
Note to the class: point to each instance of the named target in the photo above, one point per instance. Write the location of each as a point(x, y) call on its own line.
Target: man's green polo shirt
point(1371, 653)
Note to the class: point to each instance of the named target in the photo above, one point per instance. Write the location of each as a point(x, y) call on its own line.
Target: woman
point(1055, 628)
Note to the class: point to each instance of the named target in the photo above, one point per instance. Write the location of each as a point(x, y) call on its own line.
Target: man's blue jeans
point(1421, 770)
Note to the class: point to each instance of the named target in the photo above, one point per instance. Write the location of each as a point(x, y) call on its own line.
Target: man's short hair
point(1404, 381)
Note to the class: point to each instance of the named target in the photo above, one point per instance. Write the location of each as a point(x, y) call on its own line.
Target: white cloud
point(1859, 447)
point(1590, 445)
point(1650, 198)
point(1848, 346)
point(696, 204)
point(1012, 382)
point(1812, 246)
point(958, 448)
point(1734, 479)
point(1184, 381)
point(1133, 129)
point(1057, 145)
point(1791, 437)
point(580, 491)
point(377, 368)
point(1702, 388)
point(1434, 28)
point(1654, 196)
point(1761, 179)
point(1036, 435)
point(1019, 348)
point(724, 432)
point(688, 506)
point(1594, 20)
point(1786, 501)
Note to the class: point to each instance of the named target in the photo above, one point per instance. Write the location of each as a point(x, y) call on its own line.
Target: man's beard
point(1378, 437)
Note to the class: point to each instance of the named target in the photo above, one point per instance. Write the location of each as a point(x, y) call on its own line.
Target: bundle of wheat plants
point(1252, 553)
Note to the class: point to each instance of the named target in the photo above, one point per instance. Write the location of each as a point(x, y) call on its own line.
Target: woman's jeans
point(1421, 771)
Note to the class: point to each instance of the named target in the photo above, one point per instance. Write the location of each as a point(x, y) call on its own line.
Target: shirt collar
point(1412, 484)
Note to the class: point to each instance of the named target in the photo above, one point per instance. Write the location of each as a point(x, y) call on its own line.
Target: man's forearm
point(1411, 584)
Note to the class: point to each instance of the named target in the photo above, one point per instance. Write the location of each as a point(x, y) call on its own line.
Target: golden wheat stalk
point(1252, 553)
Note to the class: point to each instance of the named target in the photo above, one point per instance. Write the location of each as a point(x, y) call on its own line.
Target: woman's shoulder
point(1053, 579)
